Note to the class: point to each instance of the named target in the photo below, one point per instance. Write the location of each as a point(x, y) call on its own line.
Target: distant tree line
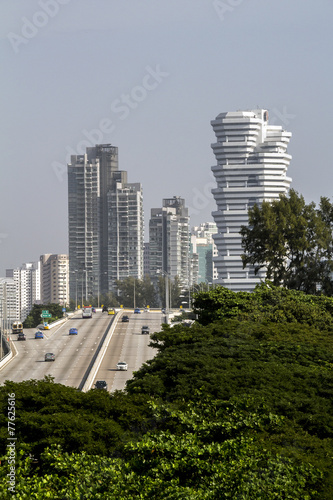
point(142, 293)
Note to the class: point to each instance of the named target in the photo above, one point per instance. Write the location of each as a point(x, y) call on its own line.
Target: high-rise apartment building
point(252, 162)
point(27, 283)
point(83, 224)
point(169, 240)
point(202, 245)
point(54, 279)
point(9, 304)
point(126, 232)
point(105, 223)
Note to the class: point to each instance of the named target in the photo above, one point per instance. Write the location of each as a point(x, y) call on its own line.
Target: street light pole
point(82, 289)
point(98, 278)
point(86, 294)
point(75, 290)
point(134, 295)
point(166, 276)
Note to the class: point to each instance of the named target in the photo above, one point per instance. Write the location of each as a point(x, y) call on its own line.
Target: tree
point(139, 291)
point(292, 241)
point(34, 317)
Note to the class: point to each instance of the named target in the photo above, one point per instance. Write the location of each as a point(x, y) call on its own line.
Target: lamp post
point(134, 294)
point(75, 273)
point(86, 294)
point(166, 277)
point(98, 279)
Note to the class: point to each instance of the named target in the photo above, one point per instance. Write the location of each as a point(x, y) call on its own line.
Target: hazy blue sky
point(149, 76)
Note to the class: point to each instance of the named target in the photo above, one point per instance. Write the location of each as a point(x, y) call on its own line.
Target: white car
point(122, 365)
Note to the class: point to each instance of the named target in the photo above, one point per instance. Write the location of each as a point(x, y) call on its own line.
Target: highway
point(129, 345)
point(74, 353)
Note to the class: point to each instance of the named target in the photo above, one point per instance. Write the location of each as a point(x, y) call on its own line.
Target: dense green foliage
point(268, 304)
point(34, 317)
point(240, 407)
point(293, 241)
point(212, 451)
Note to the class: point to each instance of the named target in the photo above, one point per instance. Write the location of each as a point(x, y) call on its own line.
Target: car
point(39, 335)
point(163, 311)
point(105, 309)
point(101, 384)
point(73, 331)
point(125, 319)
point(111, 311)
point(94, 309)
point(137, 311)
point(145, 330)
point(122, 365)
point(147, 310)
point(21, 336)
point(49, 356)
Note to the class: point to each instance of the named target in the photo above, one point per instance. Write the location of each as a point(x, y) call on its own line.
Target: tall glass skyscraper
point(252, 162)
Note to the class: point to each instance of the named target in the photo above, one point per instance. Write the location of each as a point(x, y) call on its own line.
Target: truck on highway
point(87, 312)
point(17, 327)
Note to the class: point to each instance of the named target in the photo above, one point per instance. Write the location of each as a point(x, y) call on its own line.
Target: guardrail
point(6, 346)
point(55, 323)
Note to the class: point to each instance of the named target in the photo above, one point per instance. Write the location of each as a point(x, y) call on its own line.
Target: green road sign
point(46, 315)
point(45, 312)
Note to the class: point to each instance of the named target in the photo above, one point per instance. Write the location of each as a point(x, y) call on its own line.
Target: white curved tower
point(252, 164)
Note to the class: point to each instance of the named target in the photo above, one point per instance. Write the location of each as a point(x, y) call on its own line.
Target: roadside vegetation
point(34, 318)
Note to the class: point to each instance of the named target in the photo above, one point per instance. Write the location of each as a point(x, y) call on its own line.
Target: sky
point(148, 76)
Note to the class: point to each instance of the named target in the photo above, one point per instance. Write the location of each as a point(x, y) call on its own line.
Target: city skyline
point(149, 78)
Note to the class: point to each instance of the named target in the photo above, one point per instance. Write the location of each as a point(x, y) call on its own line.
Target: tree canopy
point(34, 318)
point(293, 241)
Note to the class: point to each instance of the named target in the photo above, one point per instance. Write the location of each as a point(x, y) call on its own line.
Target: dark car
point(21, 336)
point(137, 311)
point(49, 356)
point(125, 319)
point(94, 309)
point(105, 309)
point(145, 330)
point(73, 331)
point(101, 384)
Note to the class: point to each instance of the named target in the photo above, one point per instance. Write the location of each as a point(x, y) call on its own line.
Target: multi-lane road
point(91, 355)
